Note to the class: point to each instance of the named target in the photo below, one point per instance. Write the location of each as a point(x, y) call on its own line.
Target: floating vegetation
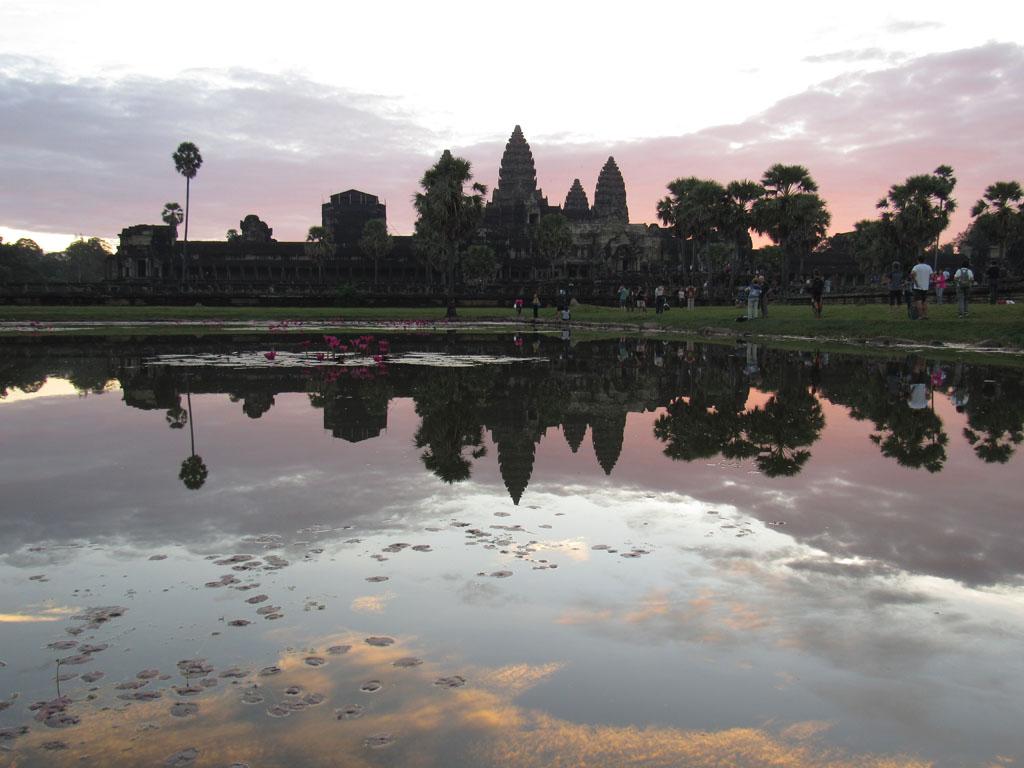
point(338, 650)
point(141, 696)
point(380, 642)
point(270, 671)
point(62, 645)
point(349, 712)
point(184, 709)
point(279, 710)
point(379, 740)
point(422, 548)
point(92, 677)
point(239, 623)
point(223, 581)
point(377, 579)
point(54, 746)
point(257, 599)
point(371, 686)
point(501, 574)
point(314, 699)
point(158, 557)
point(314, 661)
point(252, 696)
point(407, 661)
point(183, 758)
point(454, 681)
point(94, 618)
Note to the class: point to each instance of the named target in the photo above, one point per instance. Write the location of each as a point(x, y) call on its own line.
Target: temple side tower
point(610, 195)
point(577, 207)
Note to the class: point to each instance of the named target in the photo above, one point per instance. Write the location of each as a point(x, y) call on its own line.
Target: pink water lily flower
point(270, 355)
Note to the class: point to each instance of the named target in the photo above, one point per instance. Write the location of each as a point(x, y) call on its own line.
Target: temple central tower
point(610, 195)
point(516, 200)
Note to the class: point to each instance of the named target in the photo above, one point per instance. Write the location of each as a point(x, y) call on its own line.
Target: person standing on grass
point(895, 286)
point(536, 304)
point(681, 297)
point(921, 276)
point(817, 286)
point(691, 296)
point(659, 299)
point(753, 298)
point(763, 304)
point(940, 285)
point(992, 273)
point(963, 279)
point(623, 296)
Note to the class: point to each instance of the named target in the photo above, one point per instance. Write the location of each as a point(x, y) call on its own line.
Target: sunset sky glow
point(290, 103)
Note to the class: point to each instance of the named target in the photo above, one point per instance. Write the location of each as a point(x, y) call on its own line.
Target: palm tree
point(321, 245)
point(946, 181)
point(917, 211)
point(376, 243)
point(997, 211)
point(447, 217)
point(696, 208)
point(739, 218)
point(187, 161)
point(790, 211)
point(172, 216)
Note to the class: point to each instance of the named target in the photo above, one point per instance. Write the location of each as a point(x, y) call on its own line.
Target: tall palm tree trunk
point(184, 249)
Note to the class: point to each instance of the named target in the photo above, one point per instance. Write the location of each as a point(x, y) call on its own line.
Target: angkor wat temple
point(605, 248)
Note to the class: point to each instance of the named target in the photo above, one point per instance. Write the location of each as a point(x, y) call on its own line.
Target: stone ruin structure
point(606, 249)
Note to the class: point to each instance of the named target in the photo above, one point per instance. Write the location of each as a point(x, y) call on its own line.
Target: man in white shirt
point(921, 276)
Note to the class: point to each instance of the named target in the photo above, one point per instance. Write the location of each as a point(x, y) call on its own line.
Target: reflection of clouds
point(37, 614)
point(480, 725)
point(371, 603)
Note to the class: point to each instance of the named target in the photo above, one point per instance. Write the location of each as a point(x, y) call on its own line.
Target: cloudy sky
point(289, 103)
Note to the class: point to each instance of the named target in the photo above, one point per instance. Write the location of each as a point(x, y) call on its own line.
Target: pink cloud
point(94, 156)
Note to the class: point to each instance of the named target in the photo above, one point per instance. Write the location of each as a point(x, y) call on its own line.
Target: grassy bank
point(991, 326)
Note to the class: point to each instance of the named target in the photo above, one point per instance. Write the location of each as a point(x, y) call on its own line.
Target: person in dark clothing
point(896, 281)
point(536, 304)
point(992, 273)
point(817, 288)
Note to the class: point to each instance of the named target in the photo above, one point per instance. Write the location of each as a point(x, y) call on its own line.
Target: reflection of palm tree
point(448, 404)
point(782, 430)
point(177, 417)
point(193, 471)
point(995, 422)
point(915, 438)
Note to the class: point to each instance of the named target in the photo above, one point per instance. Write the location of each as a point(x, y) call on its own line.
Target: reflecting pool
point(497, 550)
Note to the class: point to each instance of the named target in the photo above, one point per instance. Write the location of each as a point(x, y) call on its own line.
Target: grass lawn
point(988, 325)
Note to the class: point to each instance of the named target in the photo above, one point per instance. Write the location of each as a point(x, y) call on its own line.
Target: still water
point(506, 551)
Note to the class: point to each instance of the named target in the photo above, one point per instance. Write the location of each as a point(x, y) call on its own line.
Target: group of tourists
point(638, 298)
point(912, 288)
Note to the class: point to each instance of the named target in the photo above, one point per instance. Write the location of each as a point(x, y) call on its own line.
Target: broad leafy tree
point(479, 264)
point(448, 217)
point(553, 239)
point(739, 218)
point(187, 162)
point(87, 259)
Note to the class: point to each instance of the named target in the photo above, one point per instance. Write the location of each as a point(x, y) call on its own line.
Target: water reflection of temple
point(573, 391)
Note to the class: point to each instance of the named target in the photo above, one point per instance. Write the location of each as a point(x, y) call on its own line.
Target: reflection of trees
point(783, 430)
point(177, 417)
point(995, 418)
point(914, 438)
point(449, 402)
point(193, 471)
point(709, 423)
